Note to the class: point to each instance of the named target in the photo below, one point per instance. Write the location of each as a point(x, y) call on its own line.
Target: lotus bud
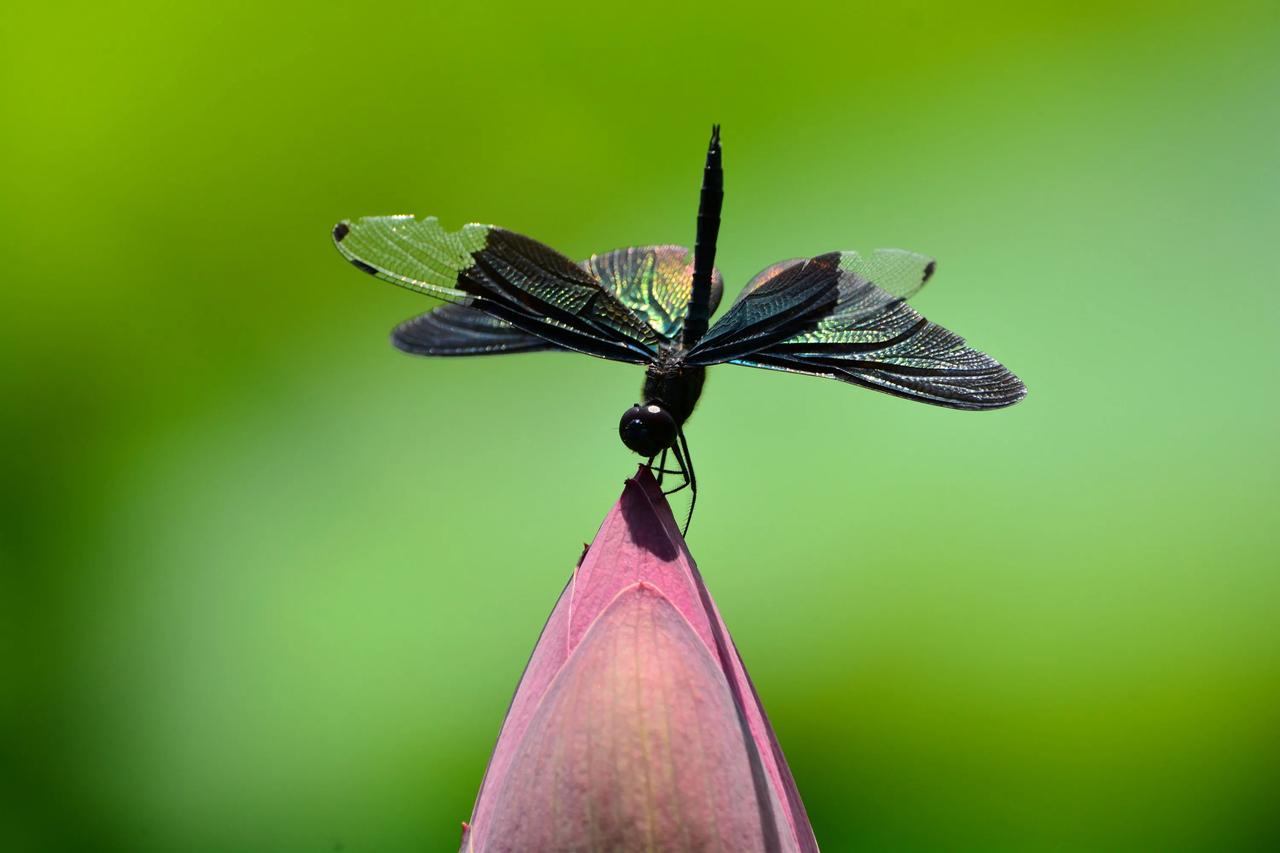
point(635, 726)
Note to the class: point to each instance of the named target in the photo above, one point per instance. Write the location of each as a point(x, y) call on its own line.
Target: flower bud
point(635, 726)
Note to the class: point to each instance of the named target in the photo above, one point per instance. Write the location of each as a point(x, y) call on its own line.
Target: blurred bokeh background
point(268, 584)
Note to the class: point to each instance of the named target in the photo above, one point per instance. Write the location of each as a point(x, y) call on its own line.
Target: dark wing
point(863, 333)
point(791, 299)
point(654, 282)
point(512, 278)
point(459, 330)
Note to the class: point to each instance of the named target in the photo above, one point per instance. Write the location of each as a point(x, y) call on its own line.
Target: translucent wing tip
point(411, 253)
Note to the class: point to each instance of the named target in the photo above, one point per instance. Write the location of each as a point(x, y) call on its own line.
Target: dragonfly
point(839, 315)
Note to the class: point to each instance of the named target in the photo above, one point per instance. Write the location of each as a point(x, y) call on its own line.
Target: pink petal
point(637, 556)
point(636, 747)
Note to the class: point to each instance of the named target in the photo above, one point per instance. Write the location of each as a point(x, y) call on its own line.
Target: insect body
point(840, 315)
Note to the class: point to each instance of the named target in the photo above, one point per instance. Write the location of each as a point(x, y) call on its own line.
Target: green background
point(268, 584)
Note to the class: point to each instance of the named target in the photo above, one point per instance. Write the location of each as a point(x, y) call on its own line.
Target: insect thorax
point(673, 383)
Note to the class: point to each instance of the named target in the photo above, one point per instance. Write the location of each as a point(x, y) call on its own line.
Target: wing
point(507, 276)
point(864, 334)
point(790, 299)
point(896, 271)
point(458, 330)
point(654, 282)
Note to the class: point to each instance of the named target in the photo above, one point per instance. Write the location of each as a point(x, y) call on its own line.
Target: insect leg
point(693, 479)
point(661, 468)
point(683, 471)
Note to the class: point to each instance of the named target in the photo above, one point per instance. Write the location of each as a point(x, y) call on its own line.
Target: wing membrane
point(791, 300)
point(868, 336)
point(654, 282)
point(895, 271)
point(520, 281)
point(453, 330)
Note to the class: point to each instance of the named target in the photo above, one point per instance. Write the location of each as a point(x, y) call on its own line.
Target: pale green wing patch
point(895, 271)
point(417, 254)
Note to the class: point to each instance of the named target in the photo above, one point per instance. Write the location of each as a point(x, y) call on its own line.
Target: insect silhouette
point(840, 315)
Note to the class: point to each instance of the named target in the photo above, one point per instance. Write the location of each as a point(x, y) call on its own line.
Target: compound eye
point(647, 429)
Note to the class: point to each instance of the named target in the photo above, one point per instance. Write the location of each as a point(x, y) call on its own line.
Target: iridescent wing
point(509, 277)
point(459, 330)
point(654, 282)
point(774, 307)
point(856, 331)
